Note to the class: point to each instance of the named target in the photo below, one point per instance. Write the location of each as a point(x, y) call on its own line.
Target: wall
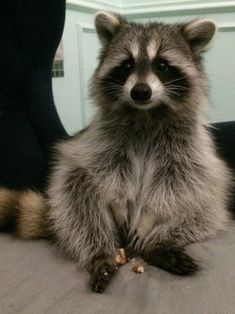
point(81, 49)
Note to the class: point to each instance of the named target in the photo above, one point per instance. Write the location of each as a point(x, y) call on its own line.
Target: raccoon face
point(144, 66)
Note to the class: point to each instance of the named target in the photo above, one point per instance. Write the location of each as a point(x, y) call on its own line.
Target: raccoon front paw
point(173, 260)
point(103, 271)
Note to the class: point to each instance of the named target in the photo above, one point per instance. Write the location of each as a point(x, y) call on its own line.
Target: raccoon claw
point(102, 274)
point(174, 260)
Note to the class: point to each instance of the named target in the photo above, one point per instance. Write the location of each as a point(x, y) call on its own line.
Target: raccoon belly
point(178, 213)
point(182, 218)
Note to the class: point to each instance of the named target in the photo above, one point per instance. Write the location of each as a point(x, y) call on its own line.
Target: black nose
point(141, 92)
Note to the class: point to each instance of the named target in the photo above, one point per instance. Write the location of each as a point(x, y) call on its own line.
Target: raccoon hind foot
point(103, 270)
point(173, 260)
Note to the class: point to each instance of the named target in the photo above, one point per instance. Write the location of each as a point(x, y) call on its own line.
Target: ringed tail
point(24, 213)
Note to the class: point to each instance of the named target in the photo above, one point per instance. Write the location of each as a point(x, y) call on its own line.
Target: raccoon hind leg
point(83, 226)
point(173, 260)
point(102, 272)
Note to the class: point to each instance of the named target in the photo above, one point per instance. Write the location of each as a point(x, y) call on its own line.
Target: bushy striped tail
point(24, 213)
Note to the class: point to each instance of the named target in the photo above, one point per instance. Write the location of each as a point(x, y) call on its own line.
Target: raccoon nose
point(141, 92)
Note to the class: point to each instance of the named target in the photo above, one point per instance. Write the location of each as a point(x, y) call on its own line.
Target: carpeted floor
point(35, 280)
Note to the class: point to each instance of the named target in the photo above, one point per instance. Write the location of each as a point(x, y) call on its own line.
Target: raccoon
point(145, 174)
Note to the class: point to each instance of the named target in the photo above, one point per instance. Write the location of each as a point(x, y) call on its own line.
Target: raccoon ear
point(107, 25)
point(199, 33)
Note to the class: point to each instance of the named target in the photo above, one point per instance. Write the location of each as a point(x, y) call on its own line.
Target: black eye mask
point(172, 77)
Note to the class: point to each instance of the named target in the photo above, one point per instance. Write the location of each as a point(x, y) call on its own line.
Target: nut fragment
point(138, 268)
point(121, 258)
point(122, 252)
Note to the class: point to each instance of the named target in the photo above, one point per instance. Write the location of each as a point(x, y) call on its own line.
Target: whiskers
point(109, 88)
point(110, 91)
point(176, 89)
point(181, 78)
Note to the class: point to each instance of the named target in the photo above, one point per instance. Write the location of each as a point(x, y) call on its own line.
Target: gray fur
point(155, 170)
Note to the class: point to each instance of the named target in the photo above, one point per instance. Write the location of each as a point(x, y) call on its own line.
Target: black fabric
point(224, 136)
point(29, 124)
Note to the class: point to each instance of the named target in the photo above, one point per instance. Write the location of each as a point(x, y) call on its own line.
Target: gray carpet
point(34, 279)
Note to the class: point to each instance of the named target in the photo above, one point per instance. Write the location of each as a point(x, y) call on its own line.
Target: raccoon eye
point(128, 65)
point(162, 65)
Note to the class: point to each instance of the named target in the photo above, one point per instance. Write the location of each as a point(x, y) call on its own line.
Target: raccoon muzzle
point(24, 213)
